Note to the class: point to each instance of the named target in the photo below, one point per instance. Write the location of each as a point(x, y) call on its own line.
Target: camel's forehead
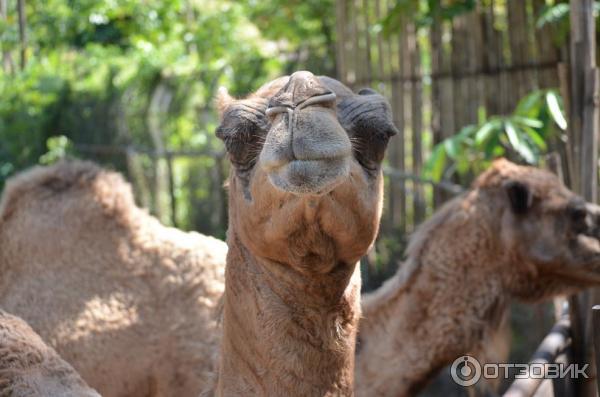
point(269, 89)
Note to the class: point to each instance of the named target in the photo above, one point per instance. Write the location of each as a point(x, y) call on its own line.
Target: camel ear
point(223, 100)
point(519, 196)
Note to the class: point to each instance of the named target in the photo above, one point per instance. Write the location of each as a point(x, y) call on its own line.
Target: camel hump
point(40, 183)
point(28, 365)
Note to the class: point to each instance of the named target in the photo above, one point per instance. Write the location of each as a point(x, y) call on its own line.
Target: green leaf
point(518, 142)
point(526, 121)
point(486, 131)
point(493, 148)
point(481, 115)
point(552, 14)
point(466, 132)
point(434, 167)
point(452, 146)
point(553, 102)
point(529, 104)
point(536, 138)
point(511, 133)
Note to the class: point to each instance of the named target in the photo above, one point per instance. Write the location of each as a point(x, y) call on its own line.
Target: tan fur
point(464, 265)
point(29, 368)
point(128, 302)
point(292, 293)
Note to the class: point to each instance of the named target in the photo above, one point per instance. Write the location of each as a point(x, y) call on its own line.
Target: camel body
point(30, 368)
point(131, 304)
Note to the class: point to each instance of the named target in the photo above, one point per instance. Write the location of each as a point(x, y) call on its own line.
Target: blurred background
point(130, 84)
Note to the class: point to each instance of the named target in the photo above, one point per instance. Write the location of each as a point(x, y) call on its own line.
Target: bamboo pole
point(416, 122)
point(340, 24)
point(22, 32)
point(583, 148)
point(7, 61)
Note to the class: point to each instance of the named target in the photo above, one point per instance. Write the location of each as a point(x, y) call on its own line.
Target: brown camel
point(305, 197)
point(519, 233)
point(131, 304)
point(35, 203)
point(29, 368)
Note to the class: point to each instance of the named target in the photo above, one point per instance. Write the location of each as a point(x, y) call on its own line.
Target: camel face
point(305, 132)
point(550, 230)
point(306, 149)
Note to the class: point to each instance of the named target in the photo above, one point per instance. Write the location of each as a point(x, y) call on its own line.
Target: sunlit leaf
point(518, 142)
point(536, 138)
point(529, 122)
point(553, 101)
point(486, 131)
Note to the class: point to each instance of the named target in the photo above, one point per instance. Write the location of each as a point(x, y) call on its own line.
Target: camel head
point(306, 154)
point(550, 233)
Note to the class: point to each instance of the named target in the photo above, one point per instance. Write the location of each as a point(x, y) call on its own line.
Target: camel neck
point(286, 332)
point(442, 303)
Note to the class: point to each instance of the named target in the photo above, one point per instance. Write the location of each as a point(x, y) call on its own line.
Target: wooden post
point(416, 123)
point(596, 333)
point(551, 347)
point(22, 31)
point(583, 150)
point(340, 13)
point(397, 155)
point(172, 199)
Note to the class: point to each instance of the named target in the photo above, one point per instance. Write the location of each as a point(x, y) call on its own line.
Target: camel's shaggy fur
point(304, 203)
point(29, 368)
point(519, 233)
point(131, 304)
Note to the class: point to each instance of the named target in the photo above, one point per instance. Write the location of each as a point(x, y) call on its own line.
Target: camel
point(29, 368)
point(38, 200)
point(305, 198)
point(519, 233)
point(131, 304)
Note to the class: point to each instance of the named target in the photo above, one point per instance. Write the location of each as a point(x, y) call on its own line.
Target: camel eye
point(367, 118)
point(577, 214)
point(242, 130)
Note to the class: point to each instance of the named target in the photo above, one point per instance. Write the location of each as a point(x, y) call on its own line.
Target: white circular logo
point(465, 371)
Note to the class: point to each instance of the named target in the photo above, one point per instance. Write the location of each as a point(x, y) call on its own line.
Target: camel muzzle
point(306, 151)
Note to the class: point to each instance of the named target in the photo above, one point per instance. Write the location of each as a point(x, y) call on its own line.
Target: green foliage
point(522, 136)
point(556, 14)
point(107, 72)
point(424, 13)
point(58, 148)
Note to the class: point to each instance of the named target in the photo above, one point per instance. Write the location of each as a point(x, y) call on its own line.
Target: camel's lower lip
point(310, 176)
